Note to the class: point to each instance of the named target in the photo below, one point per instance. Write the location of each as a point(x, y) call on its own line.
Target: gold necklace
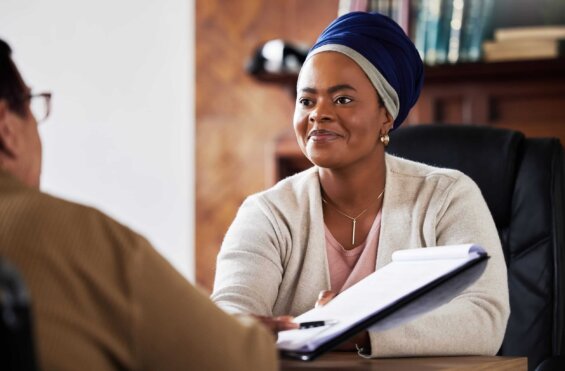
point(353, 219)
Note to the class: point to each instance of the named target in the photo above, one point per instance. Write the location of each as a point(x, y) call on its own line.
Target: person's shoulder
point(287, 197)
point(60, 230)
point(79, 217)
point(408, 168)
point(291, 186)
point(408, 174)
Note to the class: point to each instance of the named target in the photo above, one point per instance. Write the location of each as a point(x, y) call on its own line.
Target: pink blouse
point(348, 267)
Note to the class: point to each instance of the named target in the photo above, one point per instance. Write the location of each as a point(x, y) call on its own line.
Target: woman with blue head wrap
point(384, 52)
point(328, 227)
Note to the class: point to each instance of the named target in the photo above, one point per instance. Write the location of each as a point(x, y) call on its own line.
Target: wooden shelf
point(510, 70)
point(498, 71)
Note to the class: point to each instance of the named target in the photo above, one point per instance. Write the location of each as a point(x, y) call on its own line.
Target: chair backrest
point(522, 182)
point(16, 341)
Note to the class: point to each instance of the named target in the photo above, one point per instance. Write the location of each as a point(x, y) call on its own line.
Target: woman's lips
point(322, 136)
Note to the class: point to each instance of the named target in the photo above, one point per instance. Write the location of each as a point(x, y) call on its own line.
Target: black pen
point(305, 325)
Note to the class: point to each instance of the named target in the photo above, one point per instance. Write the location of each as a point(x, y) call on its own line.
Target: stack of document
point(534, 42)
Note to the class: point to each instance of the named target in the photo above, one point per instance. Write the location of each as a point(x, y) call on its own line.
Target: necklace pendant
point(353, 234)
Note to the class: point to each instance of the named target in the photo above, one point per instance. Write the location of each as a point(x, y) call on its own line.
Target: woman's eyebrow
point(331, 89)
point(309, 90)
point(339, 87)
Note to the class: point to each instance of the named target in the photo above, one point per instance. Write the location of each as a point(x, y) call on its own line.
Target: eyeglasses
point(40, 105)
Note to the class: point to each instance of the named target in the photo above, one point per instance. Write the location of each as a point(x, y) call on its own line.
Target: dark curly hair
point(12, 87)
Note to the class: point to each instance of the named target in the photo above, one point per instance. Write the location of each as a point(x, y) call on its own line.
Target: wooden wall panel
point(238, 118)
point(541, 107)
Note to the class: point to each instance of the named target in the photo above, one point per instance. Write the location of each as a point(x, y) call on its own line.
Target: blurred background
point(121, 132)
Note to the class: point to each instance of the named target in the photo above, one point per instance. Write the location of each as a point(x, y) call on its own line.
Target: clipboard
point(439, 274)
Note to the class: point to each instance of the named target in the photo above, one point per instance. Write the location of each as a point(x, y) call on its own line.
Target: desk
point(351, 361)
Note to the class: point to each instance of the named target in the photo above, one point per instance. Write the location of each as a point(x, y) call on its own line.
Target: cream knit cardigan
point(273, 258)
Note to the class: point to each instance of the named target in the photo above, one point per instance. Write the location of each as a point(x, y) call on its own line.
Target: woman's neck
point(354, 187)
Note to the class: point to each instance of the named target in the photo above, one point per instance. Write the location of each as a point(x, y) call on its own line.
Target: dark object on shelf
point(16, 341)
point(277, 61)
point(522, 180)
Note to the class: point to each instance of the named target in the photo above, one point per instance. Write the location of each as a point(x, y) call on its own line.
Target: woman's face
point(338, 119)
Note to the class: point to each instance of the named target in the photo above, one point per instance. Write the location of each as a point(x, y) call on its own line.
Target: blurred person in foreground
point(102, 297)
point(330, 226)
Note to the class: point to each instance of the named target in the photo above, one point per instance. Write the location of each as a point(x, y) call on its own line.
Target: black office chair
point(16, 341)
point(522, 180)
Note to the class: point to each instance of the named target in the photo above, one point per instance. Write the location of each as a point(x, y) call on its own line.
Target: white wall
point(120, 136)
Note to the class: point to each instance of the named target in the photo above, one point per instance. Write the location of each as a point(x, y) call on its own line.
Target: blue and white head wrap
point(384, 52)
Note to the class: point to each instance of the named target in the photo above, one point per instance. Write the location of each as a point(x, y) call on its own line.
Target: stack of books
point(536, 42)
point(398, 10)
point(444, 31)
point(450, 31)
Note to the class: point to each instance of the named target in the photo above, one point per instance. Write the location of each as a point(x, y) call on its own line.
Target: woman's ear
point(7, 135)
point(388, 123)
point(3, 121)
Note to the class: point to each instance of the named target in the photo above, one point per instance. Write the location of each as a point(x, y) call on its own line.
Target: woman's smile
point(322, 136)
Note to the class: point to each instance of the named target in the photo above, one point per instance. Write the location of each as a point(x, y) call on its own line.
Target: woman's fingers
point(324, 298)
point(282, 323)
point(276, 324)
point(285, 323)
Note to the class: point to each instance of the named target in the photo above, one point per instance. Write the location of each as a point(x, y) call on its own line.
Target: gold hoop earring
point(385, 139)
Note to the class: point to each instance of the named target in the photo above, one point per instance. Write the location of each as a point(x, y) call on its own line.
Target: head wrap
point(384, 52)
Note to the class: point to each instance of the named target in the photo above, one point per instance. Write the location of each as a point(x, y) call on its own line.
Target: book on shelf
point(443, 32)
point(520, 43)
point(346, 6)
point(403, 15)
point(455, 24)
point(380, 6)
point(450, 31)
point(521, 49)
point(419, 29)
point(397, 10)
point(531, 32)
point(433, 48)
point(477, 18)
point(415, 282)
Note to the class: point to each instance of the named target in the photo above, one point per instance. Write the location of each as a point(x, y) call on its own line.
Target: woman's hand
point(276, 324)
point(324, 297)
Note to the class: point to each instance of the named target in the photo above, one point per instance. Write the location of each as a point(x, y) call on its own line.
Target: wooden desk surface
point(351, 361)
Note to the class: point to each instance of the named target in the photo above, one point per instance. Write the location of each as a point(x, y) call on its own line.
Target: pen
point(304, 325)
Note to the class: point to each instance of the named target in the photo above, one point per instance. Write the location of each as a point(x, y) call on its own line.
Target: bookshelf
point(528, 96)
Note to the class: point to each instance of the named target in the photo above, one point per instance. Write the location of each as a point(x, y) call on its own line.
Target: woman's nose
point(322, 112)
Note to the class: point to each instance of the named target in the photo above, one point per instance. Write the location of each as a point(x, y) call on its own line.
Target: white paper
point(409, 271)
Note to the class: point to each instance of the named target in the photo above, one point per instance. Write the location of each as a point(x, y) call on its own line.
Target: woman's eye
point(343, 100)
point(305, 102)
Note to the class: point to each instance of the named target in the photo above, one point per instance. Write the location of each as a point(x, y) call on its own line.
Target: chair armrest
point(555, 363)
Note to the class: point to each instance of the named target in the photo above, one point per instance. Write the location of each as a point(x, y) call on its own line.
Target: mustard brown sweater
point(104, 299)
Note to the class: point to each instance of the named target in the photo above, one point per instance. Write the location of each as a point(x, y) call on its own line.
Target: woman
point(329, 226)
